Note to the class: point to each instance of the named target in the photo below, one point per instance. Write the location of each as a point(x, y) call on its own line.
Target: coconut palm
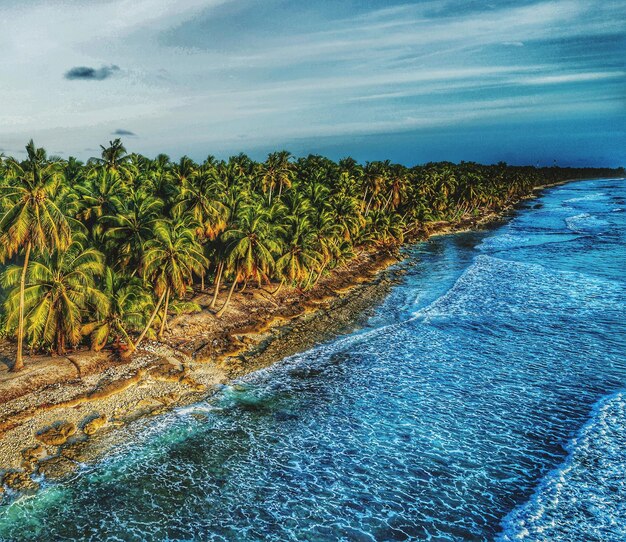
point(200, 198)
point(157, 180)
point(128, 304)
point(32, 221)
point(100, 195)
point(60, 287)
point(74, 172)
point(277, 170)
point(385, 228)
point(250, 247)
point(128, 230)
point(375, 178)
point(115, 158)
point(170, 260)
point(328, 239)
point(184, 170)
point(300, 257)
point(347, 213)
point(398, 187)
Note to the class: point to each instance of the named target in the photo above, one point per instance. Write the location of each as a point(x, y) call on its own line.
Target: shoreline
point(61, 412)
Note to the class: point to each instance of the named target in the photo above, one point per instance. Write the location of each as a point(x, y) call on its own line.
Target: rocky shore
point(56, 412)
point(60, 412)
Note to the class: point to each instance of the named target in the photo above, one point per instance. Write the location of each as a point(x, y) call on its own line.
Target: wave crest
point(585, 498)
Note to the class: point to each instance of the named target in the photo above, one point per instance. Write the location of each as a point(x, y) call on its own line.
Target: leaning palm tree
point(301, 257)
point(60, 287)
point(328, 239)
point(250, 247)
point(128, 304)
point(170, 260)
point(32, 220)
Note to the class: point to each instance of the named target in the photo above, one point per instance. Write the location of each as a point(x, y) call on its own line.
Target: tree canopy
point(97, 252)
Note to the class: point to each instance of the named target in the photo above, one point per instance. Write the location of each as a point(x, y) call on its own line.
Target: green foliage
point(60, 287)
point(102, 247)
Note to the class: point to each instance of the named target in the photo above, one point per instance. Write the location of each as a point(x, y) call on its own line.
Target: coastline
point(60, 412)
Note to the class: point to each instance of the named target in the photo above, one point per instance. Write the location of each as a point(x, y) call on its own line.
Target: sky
point(527, 82)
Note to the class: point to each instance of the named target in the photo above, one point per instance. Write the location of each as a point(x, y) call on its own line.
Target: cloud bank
point(224, 76)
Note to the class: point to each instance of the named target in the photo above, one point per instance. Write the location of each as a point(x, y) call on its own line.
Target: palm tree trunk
point(319, 276)
point(230, 293)
point(275, 292)
point(218, 278)
point(19, 360)
point(308, 282)
point(60, 342)
point(164, 318)
point(152, 317)
point(202, 282)
point(128, 340)
point(387, 202)
point(245, 283)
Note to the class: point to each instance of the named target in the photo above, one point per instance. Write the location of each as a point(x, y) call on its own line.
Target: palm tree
point(218, 256)
point(74, 172)
point(347, 211)
point(385, 228)
point(200, 198)
point(115, 158)
point(301, 257)
point(128, 303)
point(61, 285)
point(170, 260)
point(100, 195)
point(184, 170)
point(128, 230)
point(375, 178)
point(277, 170)
point(327, 234)
point(398, 187)
point(32, 221)
point(158, 180)
point(250, 247)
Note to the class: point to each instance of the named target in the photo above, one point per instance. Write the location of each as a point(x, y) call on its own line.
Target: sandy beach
point(62, 411)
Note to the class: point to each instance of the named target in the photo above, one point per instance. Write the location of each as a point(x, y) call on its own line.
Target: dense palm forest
point(102, 253)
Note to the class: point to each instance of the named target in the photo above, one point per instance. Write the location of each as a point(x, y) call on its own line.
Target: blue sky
point(525, 81)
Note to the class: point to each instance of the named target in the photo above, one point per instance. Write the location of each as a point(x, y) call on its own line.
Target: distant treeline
point(107, 249)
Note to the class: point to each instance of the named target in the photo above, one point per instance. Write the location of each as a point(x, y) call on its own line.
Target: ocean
point(484, 400)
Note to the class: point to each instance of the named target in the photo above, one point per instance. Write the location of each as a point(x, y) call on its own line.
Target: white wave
point(510, 241)
point(493, 286)
point(198, 408)
point(585, 498)
point(504, 241)
point(590, 197)
point(585, 222)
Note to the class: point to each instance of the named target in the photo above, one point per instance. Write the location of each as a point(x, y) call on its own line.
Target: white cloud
point(388, 69)
point(572, 78)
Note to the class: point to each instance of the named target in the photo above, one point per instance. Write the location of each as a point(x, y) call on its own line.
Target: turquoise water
point(484, 400)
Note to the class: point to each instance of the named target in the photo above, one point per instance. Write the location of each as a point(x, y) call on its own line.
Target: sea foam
point(584, 498)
